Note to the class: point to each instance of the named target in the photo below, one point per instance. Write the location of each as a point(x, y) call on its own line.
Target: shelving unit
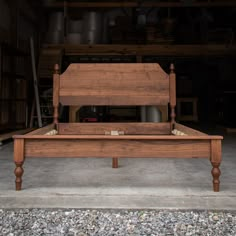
point(156, 46)
point(13, 88)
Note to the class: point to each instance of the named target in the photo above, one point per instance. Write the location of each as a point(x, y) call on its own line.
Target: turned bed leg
point(114, 162)
point(216, 174)
point(18, 173)
point(19, 161)
point(215, 161)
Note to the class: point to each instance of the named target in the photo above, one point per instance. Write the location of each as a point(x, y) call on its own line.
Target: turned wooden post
point(215, 161)
point(114, 162)
point(172, 96)
point(56, 85)
point(19, 161)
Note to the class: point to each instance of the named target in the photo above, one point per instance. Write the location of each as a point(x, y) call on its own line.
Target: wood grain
point(142, 50)
point(101, 128)
point(114, 84)
point(216, 161)
point(121, 148)
point(113, 100)
point(42, 130)
point(124, 137)
point(188, 131)
point(19, 156)
point(136, 4)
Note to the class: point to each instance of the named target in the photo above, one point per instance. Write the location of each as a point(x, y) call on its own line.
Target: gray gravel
point(74, 222)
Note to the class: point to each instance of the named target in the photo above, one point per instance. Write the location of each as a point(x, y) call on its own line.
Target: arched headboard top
point(114, 84)
point(74, 68)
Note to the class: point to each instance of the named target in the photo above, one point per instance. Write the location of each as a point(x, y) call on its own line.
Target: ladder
point(47, 59)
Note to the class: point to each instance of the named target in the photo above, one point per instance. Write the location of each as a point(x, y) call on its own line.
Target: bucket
point(55, 37)
point(153, 114)
point(75, 26)
point(56, 21)
point(92, 27)
point(73, 38)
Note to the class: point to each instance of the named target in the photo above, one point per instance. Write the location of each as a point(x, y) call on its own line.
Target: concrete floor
point(137, 184)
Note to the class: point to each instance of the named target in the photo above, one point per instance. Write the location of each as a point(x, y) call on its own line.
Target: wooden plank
point(72, 113)
point(102, 128)
point(188, 131)
point(121, 148)
point(96, 80)
point(98, 89)
point(135, 4)
point(164, 112)
point(9, 135)
point(42, 130)
point(114, 84)
point(230, 130)
point(125, 137)
point(115, 67)
point(115, 100)
point(154, 49)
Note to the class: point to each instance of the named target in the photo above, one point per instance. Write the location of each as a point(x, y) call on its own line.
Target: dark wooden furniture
point(116, 84)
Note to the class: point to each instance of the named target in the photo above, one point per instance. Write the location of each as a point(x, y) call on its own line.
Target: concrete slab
point(137, 184)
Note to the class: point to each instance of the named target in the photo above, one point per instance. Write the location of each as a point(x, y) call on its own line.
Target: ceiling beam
point(134, 4)
point(142, 50)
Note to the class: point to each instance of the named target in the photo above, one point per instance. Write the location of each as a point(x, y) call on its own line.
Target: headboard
point(114, 84)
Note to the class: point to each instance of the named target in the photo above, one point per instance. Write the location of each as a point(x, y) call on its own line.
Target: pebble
point(75, 222)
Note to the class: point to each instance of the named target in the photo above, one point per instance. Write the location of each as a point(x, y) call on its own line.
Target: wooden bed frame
point(116, 84)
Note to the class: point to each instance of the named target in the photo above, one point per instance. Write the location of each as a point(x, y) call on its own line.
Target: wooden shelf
point(13, 75)
point(135, 4)
point(13, 50)
point(146, 50)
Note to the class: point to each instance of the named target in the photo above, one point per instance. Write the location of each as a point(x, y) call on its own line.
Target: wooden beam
point(134, 4)
point(142, 50)
point(9, 135)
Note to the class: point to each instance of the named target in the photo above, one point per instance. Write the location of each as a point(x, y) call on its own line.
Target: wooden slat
point(115, 80)
point(135, 4)
point(42, 130)
point(188, 131)
point(101, 128)
point(142, 50)
point(115, 67)
point(115, 100)
point(123, 137)
point(121, 148)
point(112, 90)
point(16, 132)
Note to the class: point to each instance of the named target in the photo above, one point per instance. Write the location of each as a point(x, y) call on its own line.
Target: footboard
point(186, 143)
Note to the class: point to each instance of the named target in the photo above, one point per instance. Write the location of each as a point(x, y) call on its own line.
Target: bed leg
point(18, 173)
point(216, 174)
point(215, 161)
point(19, 161)
point(114, 162)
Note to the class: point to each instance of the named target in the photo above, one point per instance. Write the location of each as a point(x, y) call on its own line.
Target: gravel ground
point(76, 222)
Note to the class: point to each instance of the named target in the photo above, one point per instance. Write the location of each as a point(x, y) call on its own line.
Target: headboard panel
point(114, 84)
